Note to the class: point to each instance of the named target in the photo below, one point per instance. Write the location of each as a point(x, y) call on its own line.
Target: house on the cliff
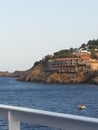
point(66, 65)
point(84, 56)
point(93, 64)
point(81, 62)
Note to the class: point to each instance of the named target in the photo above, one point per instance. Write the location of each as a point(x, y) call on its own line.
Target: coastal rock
point(33, 75)
point(94, 80)
point(55, 77)
point(38, 74)
point(16, 73)
point(4, 74)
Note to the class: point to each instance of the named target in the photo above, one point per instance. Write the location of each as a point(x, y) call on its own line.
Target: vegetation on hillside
point(64, 53)
point(92, 45)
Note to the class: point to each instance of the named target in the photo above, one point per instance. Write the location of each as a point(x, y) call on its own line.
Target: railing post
point(12, 124)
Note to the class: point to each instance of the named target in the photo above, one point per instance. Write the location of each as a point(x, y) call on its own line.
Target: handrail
point(15, 115)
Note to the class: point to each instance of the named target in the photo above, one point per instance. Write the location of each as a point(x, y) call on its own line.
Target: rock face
point(94, 80)
point(16, 73)
point(37, 74)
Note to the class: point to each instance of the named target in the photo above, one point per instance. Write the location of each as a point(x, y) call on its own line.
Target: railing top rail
point(48, 113)
point(47, 118)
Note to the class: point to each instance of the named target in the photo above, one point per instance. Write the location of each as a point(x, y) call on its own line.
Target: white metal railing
point(15, 115)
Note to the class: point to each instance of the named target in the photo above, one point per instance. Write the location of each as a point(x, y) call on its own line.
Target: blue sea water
point(63, 98)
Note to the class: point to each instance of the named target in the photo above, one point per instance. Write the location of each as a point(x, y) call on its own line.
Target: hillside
point(66, 66)
point(37, 74)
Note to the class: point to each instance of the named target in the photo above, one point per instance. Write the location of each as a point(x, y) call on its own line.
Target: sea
point(61, 98)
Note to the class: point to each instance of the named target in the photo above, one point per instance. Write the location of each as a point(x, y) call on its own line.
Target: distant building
point(94, 64)
point(84, 56)
point(66, 65)
point(86, 50)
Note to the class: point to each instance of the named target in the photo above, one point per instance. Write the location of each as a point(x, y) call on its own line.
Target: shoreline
point(29, 76)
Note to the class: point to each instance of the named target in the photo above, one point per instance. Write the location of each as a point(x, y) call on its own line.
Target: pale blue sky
point(31, 29)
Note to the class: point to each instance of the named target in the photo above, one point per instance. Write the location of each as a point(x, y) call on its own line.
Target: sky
point(32, 29)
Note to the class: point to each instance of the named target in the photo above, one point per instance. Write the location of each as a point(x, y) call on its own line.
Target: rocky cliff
point(16, 73)
point(94, 80)
point(37, 74)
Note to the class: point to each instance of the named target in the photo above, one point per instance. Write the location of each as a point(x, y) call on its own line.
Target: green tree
point(93, 54)
point(83, 46)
